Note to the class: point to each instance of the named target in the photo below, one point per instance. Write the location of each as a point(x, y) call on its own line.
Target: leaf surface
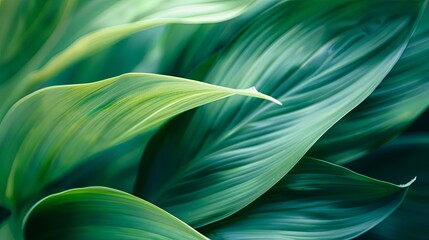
point(398, 160)
point(90, 27)
point(102, 213)
point(320, 59)
point(48, 133)
point(316, 200)
point(396, 103)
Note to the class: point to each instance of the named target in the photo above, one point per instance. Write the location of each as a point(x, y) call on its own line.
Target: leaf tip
point(408, 183)
point(263, 96)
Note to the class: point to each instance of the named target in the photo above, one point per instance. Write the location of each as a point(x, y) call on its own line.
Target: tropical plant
point(104, 136)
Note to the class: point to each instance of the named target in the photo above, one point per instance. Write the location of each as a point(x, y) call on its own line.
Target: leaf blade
point(49, 132)
point(102, 213)
point(231, 154)
point(407, 157)
point(396, 103)
point(316, 200)
point(96, 25)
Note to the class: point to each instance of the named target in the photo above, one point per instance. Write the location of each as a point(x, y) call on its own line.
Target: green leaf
point(102, 213)
point(396, 103)
point(104, 22)
point(404, 157)
point(27, 25)
point(48, 133)
point(194, 45)
point(115, 167)
point(321, 59)
point(316, 200)
point(190, 11)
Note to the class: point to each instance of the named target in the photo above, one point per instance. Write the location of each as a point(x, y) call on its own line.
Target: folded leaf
point(404, 157)
point(96, 25)
point(396, 103)
point(316, 200)
point(320, 58)
point(102, 213)
point(51, 131)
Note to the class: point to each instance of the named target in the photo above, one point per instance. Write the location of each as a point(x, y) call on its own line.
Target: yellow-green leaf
point(48, 133)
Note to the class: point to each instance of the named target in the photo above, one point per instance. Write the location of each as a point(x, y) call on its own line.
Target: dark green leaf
point(316, 200)
point(320, 58)
point(404, 157)
point(396, 103)
point(195, 45)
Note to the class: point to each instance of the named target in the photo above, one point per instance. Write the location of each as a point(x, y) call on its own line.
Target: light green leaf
point(96, 25)
point(320, 58)
point(102, 213)
point(404, 157)
point(401, 97)
point(316, 200)
point(48, 133)
point(189, 11)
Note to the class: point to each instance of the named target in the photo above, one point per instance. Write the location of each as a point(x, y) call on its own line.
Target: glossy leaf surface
point(319, 58)
point(396, 103)
point(316, 200)
point(404, 157)
point(89, 27)
point(102, 213)
point(48, 133)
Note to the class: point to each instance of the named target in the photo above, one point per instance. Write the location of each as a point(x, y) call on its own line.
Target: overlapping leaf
point(174, 49)
point(316, 200)
point(20, 28)
point(320, 59)
point(51, 131)
point(95, 25)
point(405, 157)
point(102, 213)
point(196, 45)
point(393, 106)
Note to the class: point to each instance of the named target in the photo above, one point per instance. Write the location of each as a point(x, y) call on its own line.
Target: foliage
point(104, 135)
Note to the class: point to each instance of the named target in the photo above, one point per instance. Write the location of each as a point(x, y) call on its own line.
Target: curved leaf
point(396, 103)
point(195, 45)
point(27, 25)
point(102, 213)
point(316, 200)
point(96, 25)
point(189, 11)
point(51, 131)
point(321, 59)
point(404, 157)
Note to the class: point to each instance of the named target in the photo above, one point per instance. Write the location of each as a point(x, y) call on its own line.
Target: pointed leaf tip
point(408, 183)
point(262, 95)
